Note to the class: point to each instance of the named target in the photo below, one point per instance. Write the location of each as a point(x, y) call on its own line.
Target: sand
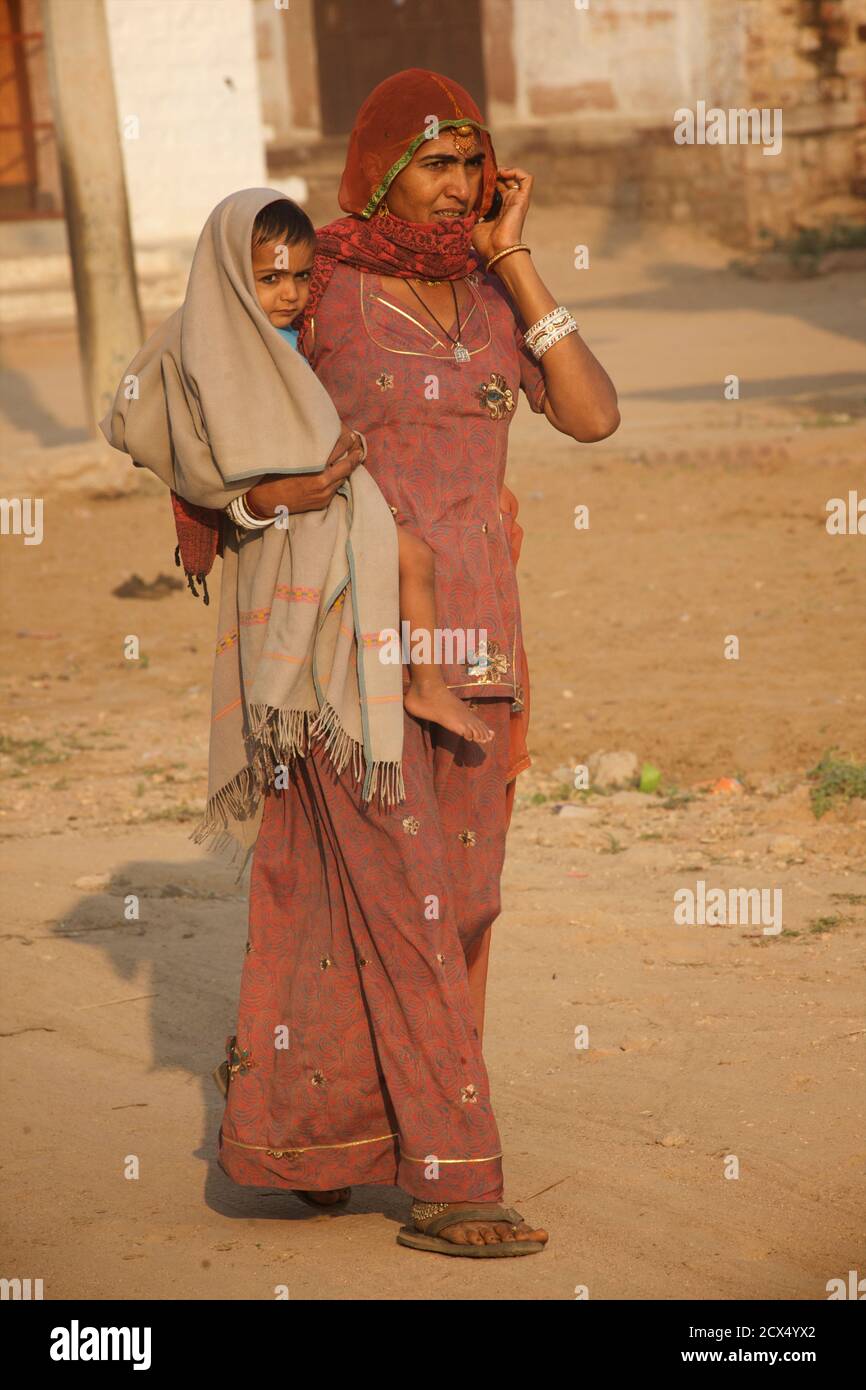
point(706, 1044)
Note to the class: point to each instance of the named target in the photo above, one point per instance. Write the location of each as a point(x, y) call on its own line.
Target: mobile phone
point(495, 207)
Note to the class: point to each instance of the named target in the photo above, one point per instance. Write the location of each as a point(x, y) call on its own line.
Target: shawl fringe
point(278, 736)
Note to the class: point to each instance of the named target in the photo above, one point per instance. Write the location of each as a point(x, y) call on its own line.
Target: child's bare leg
point(428, 697)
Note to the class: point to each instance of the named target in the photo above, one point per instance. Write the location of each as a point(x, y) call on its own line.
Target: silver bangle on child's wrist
point(550, 329)
point(242, 516)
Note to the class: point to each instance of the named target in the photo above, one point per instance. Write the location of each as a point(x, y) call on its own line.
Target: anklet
point(422, 1211)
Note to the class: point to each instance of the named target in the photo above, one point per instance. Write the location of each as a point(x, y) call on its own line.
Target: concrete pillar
point(94, 194)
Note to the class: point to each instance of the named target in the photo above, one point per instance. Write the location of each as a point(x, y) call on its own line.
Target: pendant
point(461, 354)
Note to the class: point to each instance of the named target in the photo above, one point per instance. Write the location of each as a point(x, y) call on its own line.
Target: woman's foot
point(330, 1197)
point(435, 702)
point(477, 1232)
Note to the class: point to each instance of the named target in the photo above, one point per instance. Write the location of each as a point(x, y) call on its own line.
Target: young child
point(283, 249)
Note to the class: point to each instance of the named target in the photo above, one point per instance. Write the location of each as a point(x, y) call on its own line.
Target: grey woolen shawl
point(215, 400)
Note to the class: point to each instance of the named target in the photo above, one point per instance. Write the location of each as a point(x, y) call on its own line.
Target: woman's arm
point(308, 492)
point(580, 399)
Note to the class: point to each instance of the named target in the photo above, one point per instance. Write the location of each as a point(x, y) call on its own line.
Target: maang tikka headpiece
point(464, 137)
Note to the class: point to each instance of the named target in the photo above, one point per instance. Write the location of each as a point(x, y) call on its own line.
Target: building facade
point(212, 93)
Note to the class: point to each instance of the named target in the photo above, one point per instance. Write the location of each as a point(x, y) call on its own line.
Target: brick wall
point(592, 107)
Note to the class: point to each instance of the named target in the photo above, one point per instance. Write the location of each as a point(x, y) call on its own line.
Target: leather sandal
point(424, 1235)
point(220, 1075)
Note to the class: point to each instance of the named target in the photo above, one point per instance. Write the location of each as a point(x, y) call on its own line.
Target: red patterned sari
point(357, 1055)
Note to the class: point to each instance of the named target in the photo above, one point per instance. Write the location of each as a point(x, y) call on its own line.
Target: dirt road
point(707, 520)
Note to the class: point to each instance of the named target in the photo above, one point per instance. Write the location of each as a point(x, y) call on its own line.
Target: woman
point(369, 928)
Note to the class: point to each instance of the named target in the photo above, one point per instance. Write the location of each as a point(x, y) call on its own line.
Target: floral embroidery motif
point(299, 594)
point(489, 664)
point(411, 825)
point(517, 702)
point(469, 1093)
point(440, 958)
point(325, 962)
point(496, 396)
point(283, 1153)
point(318, 1078)
point(385, 381)
point(467, 837)
point(240, 1060)
point(362, 960)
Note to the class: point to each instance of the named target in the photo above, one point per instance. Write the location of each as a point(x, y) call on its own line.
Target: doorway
point(361, 44)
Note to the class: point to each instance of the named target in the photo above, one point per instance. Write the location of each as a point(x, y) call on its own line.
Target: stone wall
point(809, 58)
point(589, 96)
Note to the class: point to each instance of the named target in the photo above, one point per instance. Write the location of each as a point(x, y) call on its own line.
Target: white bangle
point(547, 342)
point(361, 443)
point(550, 329)
point(243, 517)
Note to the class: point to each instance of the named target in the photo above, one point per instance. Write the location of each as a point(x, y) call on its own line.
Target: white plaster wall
point(654, 54)
point(187, 70)
point(271, 27)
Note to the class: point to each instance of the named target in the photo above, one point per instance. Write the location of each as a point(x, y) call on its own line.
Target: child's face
point(282, 276)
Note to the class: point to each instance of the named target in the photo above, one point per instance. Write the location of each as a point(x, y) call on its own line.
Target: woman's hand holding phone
point(506, 228)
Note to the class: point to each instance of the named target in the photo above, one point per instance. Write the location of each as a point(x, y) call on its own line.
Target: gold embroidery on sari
point(489, 665)
point(240, 1060)
point(410, 1158)
point(447, 349)
point(309, 1148)
point(496, 396)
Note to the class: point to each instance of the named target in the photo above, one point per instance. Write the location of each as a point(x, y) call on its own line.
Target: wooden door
point(360, 42)
point(17, 150)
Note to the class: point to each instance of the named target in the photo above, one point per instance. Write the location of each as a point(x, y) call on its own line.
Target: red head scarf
point(390, 126)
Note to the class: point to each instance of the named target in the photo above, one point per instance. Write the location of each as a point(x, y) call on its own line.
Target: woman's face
point(439, 182)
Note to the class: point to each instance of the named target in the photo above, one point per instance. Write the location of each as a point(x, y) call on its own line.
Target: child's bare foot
point(436, 703)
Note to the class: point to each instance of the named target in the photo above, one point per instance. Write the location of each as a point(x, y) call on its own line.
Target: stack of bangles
point(243, 517)
point(550, 329)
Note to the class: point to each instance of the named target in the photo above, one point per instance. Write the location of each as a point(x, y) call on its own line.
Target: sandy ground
point(706, 520)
